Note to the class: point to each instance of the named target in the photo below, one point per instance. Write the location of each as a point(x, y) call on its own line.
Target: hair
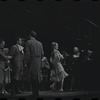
point(33, 33)
point(77, 49)
point(17, 38)
point(54, 44)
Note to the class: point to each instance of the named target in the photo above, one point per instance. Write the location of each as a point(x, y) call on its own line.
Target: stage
point(51, 95)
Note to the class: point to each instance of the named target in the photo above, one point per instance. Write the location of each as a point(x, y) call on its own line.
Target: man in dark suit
point(17, 54)
point(33, 57)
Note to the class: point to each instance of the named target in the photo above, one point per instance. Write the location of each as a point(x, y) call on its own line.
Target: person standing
point(17, 54)
point(57, 74)
point(66, 62)
point(45, 74)
point(76, 66)
point(33, 59)
point(3, 59)
point(88, 69)
point(7, 70)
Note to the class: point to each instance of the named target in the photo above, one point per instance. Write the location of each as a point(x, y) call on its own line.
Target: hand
point(9, 68)
point(8, 61)
point(9, 57)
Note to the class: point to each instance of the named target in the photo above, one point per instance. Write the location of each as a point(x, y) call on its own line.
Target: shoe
point(52, 87)
point(61, 90)
point(5, 92)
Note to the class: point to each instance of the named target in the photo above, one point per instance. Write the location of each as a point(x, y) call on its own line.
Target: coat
point(33, 57)
point(16, 62)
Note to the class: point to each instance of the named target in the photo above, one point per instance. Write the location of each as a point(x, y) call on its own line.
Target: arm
point(42, 51)
point(12, 51)
point(3, 56)
point(61, 56)
point(51, 60)
point(27, 53)
point(58, 55)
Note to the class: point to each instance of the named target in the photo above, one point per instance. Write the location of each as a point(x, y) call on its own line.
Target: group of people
point(13, 61)
point(30, 56)
point(71, 72)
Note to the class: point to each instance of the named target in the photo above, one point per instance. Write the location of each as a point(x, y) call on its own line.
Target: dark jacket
point(16, 61)
point(33, 57)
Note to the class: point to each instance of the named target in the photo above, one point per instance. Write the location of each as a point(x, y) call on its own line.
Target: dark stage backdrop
point(64, 22)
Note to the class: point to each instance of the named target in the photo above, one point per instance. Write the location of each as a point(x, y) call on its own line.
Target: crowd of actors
point(25, 63)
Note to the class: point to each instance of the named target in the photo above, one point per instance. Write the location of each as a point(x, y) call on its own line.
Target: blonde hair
point(76, 49)
point(54, 44)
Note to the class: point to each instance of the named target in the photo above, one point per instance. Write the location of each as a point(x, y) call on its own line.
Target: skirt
point(2, 66)
point(58, 73)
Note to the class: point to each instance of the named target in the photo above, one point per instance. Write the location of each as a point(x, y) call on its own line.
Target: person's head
point(44, 59)
point(76, 49)
point(55, 45)
point(65, 54)
point(2, 43)
point(19, 41)
point(33, 34)
point(89, 52)
point(6, 50)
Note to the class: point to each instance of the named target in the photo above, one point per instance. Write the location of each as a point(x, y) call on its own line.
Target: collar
point(20, 47)
point(32, 38)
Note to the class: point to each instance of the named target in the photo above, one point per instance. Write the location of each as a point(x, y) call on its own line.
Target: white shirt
point(20, 48)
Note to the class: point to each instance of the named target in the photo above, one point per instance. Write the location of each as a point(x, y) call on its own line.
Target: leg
point(72, 83)
point(13, 87)
point(35, 88)
point(61, 85)
point(13, 82)
point(53, 86)
point(3, 89)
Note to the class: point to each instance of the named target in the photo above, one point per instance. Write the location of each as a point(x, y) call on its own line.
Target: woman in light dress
point(3, 59)
point(57, 73)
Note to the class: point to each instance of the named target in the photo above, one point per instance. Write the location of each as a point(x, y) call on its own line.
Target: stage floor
point(51, 95)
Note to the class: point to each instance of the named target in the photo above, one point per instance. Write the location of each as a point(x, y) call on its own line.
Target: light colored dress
point(2, 65)
point(58, 73)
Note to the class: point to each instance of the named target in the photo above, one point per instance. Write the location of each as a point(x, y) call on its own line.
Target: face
point(89, 52)
point(20, 41)
point(56, 46)
point(2, 44)
point(6, 50)
point(76, 49)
